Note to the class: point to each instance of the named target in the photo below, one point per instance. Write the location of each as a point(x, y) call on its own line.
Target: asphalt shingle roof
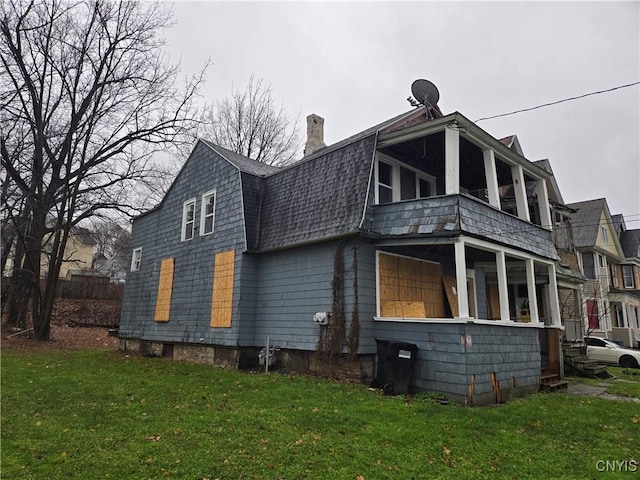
point(243, 163)
point(586, 221)
point(630, 241)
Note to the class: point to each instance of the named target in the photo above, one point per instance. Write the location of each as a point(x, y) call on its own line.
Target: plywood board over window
point(165, 287)
point(410, 288)
point(222, 296)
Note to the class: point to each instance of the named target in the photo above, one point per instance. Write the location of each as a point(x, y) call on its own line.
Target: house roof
point(513, 143)
point(314, 198)
point(552, 185)
point(243, 163)
point(317, 199)
point(630, 241)
point(84, 235)
point(585, 222)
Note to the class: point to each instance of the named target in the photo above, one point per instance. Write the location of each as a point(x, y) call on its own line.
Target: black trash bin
point(396, 361)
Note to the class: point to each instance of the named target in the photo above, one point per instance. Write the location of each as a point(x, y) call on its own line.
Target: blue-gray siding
point(159, 233)
point(291, 287)
point(454, 214)
point(446, 363)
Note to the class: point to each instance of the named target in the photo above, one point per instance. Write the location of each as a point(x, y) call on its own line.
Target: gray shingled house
point(611, 303)
point(419, 230)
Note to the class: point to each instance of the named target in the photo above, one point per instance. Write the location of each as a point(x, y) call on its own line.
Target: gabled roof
point(513, 143)
point(552, 185)
point(585, 222)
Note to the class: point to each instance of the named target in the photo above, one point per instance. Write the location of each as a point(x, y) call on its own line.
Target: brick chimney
point(315, 134)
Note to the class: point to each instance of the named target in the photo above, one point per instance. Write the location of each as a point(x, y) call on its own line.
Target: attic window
point(188, 219)
point(605, 235)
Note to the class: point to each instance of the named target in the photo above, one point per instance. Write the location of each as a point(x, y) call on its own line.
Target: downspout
point(371, 170)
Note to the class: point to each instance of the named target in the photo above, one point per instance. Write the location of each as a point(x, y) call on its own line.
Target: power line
point(558, 101)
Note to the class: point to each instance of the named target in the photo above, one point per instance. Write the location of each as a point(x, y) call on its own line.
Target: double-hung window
point(588, 265)
point(188, 219)
point(627, 276)
point(207, 213)
point(136, 259)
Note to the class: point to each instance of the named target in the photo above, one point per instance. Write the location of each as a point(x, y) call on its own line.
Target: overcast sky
point(353, 64)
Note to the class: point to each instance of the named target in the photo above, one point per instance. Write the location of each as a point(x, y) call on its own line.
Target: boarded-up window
point(222, 297)
point(165, 286)
point(410, 288)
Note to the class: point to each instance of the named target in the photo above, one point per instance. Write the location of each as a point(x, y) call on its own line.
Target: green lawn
point(100, 414)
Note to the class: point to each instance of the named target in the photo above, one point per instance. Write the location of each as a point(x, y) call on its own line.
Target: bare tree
point(86, 99)
point(250, 123)
point(112, 239)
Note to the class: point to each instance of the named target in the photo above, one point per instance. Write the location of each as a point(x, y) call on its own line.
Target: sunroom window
point(396, 182)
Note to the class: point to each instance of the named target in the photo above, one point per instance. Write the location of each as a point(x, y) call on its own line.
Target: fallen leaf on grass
point(153, 438)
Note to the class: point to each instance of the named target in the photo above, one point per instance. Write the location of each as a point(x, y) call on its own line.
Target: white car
point(606, 351)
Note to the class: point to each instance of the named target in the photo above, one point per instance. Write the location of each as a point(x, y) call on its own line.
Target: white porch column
point(503, 289)
point(543, 204)
point(531, 290)
point(491, 176)
point(451, 161)
point(461, 280)
point(520, 191)
point(554, 299)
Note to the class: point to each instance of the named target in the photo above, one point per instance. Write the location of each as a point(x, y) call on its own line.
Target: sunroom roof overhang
point(469, 131)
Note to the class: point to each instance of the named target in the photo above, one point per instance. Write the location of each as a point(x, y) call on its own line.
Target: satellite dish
point(425, 92)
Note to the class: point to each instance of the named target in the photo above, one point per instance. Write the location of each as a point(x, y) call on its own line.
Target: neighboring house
point(570, 280)
point(78, 254)
point(625, 291)
point(609, 310)
point(115, 267)
point(418, 230)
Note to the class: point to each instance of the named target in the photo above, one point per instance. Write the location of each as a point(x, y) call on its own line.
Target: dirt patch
point(581, 389)
point(75, 324)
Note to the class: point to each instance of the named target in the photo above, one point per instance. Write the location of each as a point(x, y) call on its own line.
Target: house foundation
point(361, 369)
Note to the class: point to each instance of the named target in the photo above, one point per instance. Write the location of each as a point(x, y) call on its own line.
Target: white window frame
point(604, 234)
point(395, 178)
point(204, 215)
point(136, 259)
point(625, 278)
point(185, 224)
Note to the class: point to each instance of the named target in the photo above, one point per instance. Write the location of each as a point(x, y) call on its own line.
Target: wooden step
point(555, 386)
point(548, 378)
